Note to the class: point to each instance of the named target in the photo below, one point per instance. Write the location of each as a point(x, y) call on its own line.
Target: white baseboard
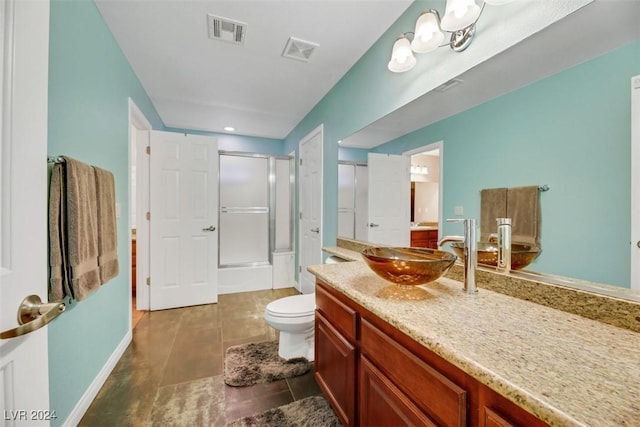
point(85, 401)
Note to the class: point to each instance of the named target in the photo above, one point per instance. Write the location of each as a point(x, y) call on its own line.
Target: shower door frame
point(271, 209)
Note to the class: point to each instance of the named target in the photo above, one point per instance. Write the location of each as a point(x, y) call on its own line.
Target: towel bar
point(55, 159)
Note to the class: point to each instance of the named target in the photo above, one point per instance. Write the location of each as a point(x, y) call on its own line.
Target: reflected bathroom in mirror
point(513, 121)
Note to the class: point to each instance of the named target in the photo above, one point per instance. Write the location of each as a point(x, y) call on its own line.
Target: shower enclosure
point(255, 222)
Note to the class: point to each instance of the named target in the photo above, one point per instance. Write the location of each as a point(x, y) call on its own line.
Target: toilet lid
point(293, 306)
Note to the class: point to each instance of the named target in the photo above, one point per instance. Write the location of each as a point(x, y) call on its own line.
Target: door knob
point(638, 243)
point(371, 224)
point(315, 230)
point(210, 228)
point(33, 314)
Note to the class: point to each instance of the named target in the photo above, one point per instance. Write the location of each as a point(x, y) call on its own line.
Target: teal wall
point(352, 154)
point(90, 82)
point(571, 131)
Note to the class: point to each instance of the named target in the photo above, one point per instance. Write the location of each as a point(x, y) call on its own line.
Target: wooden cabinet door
point(335, 369)
point(383, 404)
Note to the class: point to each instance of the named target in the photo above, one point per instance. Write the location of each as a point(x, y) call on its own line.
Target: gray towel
point(59, 278)
point(107, 230)
point(523, 207)
point(82, 228)
point(493, 204)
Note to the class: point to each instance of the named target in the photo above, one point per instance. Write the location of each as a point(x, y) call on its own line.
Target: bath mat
point(254, 363)
point(311, 411)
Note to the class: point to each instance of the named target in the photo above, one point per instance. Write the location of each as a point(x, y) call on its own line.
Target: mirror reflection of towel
point(493, 204)
point(523, 207)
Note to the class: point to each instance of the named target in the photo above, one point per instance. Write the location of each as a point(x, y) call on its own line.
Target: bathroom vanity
point(424, 237)
point(466, 360)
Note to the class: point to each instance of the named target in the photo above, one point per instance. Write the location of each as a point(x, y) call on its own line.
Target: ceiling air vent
point(299, 49)
point(226, 30)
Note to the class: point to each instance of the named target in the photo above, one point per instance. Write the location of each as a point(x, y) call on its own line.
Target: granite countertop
point(565, 369)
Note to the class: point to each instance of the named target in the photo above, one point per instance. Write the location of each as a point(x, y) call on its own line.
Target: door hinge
point(300, 216)
point(299, 269)
point(300, 161)
point(148, 281)
point(148, 216)
point(148, 149)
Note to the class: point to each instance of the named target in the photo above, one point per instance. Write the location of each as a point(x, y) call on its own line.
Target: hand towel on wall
point(59, 279)
point(493, 204)
point(82, 231)
point(107, 230)
point(523, 207)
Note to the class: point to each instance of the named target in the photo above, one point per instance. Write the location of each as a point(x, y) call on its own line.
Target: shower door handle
point(210, 228)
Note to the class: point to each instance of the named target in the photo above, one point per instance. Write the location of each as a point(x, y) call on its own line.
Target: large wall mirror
point(553, 110)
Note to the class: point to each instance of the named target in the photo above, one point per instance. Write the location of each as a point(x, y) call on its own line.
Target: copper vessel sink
point(408, 266)
point(521, 255)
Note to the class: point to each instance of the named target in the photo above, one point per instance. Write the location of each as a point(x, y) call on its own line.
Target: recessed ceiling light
point(229, 128)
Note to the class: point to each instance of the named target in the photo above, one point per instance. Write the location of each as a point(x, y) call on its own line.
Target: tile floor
point(174, 347)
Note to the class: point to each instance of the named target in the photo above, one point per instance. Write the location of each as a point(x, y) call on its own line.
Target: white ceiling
point(591, 31)
point(202, 84)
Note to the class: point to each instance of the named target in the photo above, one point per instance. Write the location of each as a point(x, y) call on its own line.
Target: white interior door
point(389, 220)
point(362, 201)
point(346, 200)
point(635, 182)
point(184, 220)
point(24, 371)
point(310, 201)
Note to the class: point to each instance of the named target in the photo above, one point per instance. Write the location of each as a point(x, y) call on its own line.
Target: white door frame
point(635, 182)
point(440, 147)
point(139, 128)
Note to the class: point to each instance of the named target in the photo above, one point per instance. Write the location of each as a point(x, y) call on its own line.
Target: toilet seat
point(293, 306)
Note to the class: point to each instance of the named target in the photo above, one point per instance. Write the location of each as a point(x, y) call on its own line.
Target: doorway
point(426, 188)
point(139, 128)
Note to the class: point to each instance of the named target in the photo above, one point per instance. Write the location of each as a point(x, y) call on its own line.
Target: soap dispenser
point(504, 245)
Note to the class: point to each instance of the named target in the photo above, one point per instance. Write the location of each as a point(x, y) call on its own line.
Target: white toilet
point(294, 317)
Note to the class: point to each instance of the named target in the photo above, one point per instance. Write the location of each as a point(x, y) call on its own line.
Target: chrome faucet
point(503, 264)
point(470, 252)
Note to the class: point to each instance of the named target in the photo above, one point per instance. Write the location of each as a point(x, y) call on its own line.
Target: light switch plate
point(458, 210)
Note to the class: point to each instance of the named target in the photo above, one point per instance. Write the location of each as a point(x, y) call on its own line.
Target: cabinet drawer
point(494, 419)
point(383, 404)
point(343, 318)
point(441, 399)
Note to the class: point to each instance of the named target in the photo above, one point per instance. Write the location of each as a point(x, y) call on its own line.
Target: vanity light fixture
point(419, 170)
point(459, 19)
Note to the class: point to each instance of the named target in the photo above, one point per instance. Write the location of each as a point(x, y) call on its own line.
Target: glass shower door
point(244, 211)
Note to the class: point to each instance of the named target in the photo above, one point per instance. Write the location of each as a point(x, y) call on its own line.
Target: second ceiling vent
point(226, 30)
point(299, 49)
